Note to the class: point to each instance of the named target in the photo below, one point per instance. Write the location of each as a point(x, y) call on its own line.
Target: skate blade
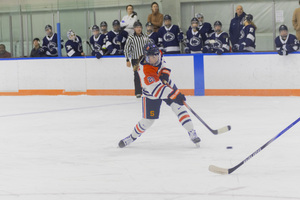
point(197, 145)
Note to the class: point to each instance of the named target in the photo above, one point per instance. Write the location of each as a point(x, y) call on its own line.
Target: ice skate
point(194, 137)
point(126, 141)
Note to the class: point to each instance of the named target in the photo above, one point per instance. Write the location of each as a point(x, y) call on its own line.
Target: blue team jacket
point(236, 25)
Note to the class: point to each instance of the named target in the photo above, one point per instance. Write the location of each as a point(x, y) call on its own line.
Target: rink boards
point(258, 74)
point(76, 76)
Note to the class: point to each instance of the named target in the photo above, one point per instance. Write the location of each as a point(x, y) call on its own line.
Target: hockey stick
point(215, 132)
point(220, 170)
point(89, 44)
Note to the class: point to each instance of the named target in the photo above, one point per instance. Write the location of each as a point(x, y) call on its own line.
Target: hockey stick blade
point(220, 170)
point(221, 130)
point(215, 132)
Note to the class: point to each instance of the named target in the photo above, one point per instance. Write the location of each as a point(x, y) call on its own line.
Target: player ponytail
point(255, 27)
point(141, 58)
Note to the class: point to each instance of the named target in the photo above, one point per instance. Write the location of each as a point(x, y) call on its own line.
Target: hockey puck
point(229, 147)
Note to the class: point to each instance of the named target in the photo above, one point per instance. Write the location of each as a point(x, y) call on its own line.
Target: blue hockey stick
point(220, 170)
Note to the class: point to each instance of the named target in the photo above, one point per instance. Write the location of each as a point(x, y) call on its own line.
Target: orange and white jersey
point(153, 88)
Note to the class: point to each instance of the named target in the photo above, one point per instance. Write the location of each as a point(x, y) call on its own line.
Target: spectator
point(247, 39)
point(296, 21)
point(153, 36)
point(37, 50)
point(103, 36)
point(236, 25)
point(194, 41)
point(218, 42)
point(129, 19)
point(169, 36)
point(286, 43)
point(3, 52)
point(134, 48)
point(73, 45)
point(156, 18)
point(50, 42)
point(204, 27)
point(116, 39)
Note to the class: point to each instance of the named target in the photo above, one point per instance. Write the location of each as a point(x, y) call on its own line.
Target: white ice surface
point(71, 153)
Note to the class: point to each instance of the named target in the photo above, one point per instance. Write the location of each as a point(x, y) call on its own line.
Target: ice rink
point(66, 148)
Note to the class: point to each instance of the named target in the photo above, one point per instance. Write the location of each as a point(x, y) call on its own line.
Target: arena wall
point(258, 74)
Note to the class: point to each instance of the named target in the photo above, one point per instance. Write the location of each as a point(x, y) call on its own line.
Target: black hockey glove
point(205, 49)
point(235, 47)
point(53, 51)
point(165, 74)
point(220, 51)
point(98, 55)
point(187, 50)
point(241, 47)
point(291, 48)
point(283, 52)
point(177, 97)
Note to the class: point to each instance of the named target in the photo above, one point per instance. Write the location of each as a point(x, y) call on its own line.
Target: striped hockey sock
point(141, 127)
point(185, 120)
point(183, 116)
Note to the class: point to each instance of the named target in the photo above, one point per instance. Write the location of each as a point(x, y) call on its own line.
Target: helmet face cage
point(167, 17)
point(95, 28)
point(283, 31)
point(103, 26)
point(47, 27)
point(152, 54)
point(156, 58)
point(283, 28)
point(194, 21)
point(149, 24)
point(200, 17)
point(249, 18)
point(48, 30)
point(103, 23)
point(217, 24)
point(149, 27)
point(116, 25)
point(71, 35)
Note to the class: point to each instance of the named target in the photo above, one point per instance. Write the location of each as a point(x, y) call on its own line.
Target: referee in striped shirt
point(134, 48)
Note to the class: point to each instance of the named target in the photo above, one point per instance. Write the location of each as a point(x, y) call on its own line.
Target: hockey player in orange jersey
point(157, 87)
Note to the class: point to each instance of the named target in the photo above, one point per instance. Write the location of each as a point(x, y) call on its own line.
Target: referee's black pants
point(137, 81)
